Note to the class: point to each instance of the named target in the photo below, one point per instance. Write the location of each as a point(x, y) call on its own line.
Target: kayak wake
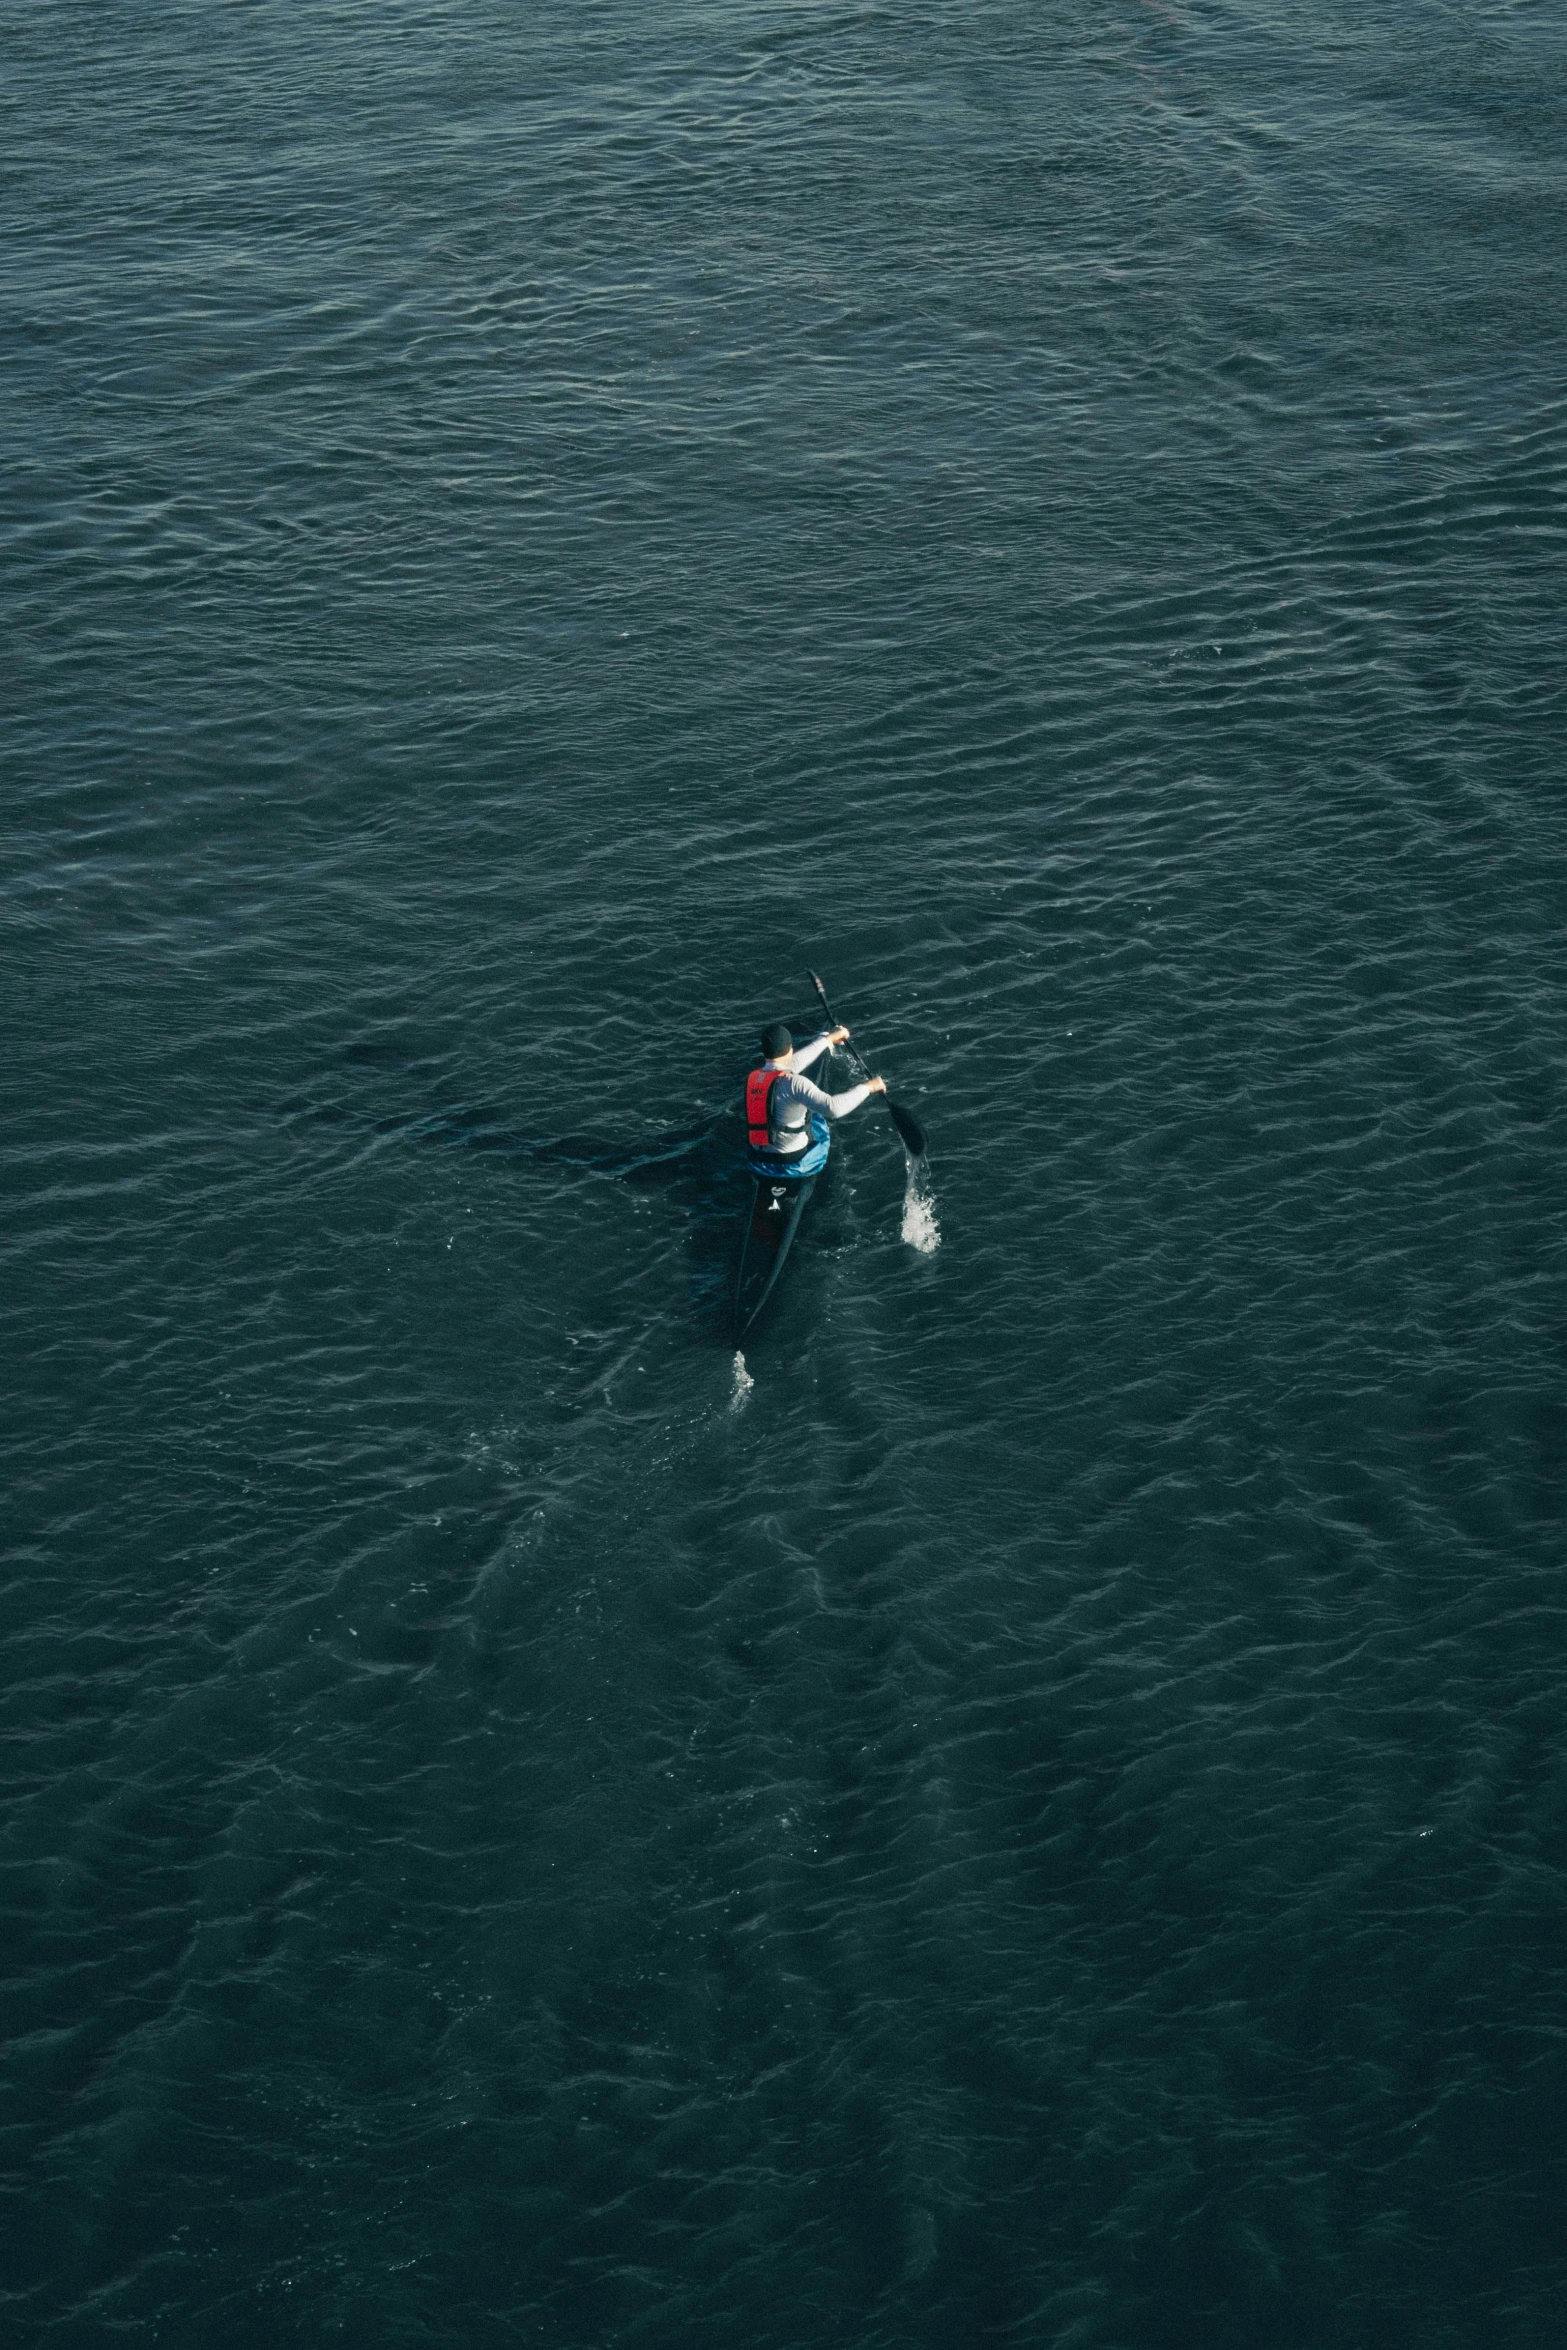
point(920, 1228)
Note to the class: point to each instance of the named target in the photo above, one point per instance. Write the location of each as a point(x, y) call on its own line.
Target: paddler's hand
point(837, 1036)
point(875, 1084)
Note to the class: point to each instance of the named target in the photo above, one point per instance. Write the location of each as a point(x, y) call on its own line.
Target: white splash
point(742, 1386)
point(920, 1228)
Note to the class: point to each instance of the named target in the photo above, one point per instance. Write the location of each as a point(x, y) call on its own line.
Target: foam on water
point(742, 1386)
point(920, 1228)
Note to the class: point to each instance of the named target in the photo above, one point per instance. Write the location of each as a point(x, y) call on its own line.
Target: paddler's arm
point(805, 1054)
point(838, 1105)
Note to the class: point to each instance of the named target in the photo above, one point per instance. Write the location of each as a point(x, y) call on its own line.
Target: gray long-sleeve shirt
point(794, 1097)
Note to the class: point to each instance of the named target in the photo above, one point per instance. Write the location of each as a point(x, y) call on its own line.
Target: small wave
point(743, 1384)
point(920, 1228)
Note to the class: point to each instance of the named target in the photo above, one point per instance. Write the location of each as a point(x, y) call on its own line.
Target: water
point(526, 531)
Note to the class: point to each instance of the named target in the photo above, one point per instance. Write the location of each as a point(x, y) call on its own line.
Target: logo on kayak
point(775, 1209)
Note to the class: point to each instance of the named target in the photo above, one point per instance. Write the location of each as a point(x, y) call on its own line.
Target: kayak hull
point(779, 1200)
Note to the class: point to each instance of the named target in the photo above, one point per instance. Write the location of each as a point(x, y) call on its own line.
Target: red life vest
point(758, 1107)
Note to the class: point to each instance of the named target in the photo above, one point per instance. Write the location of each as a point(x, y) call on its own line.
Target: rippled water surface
point(1032, 1809)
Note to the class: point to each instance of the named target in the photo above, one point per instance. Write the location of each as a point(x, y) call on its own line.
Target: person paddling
point(785, 1114)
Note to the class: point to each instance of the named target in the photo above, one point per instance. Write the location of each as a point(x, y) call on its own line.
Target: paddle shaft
point(846, 1049)
point(910, 1133)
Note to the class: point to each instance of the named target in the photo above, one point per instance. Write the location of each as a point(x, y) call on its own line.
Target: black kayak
point(777, 1204)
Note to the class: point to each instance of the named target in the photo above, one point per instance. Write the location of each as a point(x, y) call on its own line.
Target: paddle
point(910, 1132)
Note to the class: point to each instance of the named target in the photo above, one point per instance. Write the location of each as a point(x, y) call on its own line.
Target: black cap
point(776, 1041)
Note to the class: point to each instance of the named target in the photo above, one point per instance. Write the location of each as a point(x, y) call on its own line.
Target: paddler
point(785, 1114)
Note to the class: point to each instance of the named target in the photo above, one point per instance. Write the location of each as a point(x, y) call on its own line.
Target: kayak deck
point(777, 1205)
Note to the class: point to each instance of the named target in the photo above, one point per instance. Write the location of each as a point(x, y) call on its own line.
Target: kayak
point(779, 1198)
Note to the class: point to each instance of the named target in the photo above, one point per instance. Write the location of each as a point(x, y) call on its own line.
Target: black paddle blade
point(910, 1131)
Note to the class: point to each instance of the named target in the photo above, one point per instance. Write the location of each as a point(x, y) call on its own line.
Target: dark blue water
point(1033, 1810)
